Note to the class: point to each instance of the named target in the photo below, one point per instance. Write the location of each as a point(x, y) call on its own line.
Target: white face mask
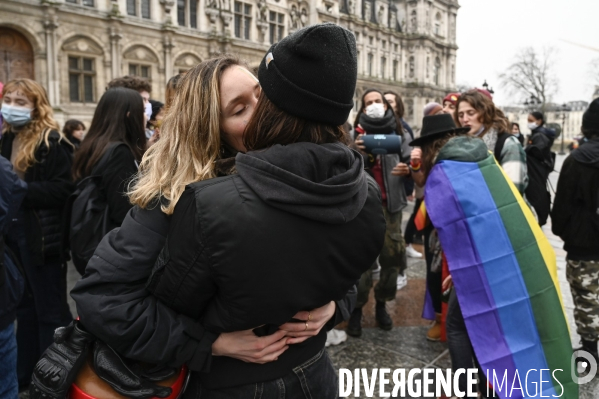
point(376, 110)
point(532, 126)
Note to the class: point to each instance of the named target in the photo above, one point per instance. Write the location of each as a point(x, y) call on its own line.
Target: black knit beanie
point(590, 118)
point(312, 73)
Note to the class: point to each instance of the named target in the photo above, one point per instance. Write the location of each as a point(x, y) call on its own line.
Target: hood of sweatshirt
point(464, 149)
point(588, 153)
point(323, 182)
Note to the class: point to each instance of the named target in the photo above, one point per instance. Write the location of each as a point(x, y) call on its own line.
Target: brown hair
point(131, 82)
point(430, 151)
point(171, 89)
point(70, 126)
point(269, 125)
point(400, 109)
point(42, 121)
point(490, 115)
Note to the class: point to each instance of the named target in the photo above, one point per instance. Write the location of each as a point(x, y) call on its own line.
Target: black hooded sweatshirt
point(255, 248)
point(575, 213)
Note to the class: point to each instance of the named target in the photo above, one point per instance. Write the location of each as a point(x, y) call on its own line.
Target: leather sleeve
point(114, 304)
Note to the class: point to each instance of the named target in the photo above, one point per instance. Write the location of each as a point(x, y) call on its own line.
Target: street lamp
point(532, 103)
point(487, 88)
point(565, 109)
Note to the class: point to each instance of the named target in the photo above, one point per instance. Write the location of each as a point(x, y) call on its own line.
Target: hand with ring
point(311, 323)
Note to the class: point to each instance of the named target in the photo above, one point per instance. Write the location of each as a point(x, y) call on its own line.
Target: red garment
point(377, 173)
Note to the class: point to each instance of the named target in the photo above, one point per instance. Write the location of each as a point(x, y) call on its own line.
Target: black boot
point(382, 317)
point(591, 347)
point(354, 326)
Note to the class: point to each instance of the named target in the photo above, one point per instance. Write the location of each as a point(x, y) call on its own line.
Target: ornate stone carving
point(381, 16)
point(262, 11)
point(140, 53)
point(367, 11)
point(351, 7)
point(81, 44)
point(414, 22)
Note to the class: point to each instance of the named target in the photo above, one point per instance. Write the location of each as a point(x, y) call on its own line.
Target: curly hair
point(489, 114)
point(41, 125)
point(131, 82)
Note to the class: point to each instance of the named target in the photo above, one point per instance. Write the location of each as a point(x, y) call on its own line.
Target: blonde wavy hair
point(42, 121)
point(190, 139)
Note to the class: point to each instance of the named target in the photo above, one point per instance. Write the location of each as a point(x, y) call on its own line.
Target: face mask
point(532, 126)
point(16, 116)
point(480, 131)
point(149, 110)
point(376, 110)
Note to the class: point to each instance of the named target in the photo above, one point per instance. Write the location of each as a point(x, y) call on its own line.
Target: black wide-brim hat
point(436, 126)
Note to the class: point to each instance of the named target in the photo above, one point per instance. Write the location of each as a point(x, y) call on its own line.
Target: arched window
point(438, 24)
point(83, 58)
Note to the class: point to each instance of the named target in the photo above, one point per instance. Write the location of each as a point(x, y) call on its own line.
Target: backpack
point(538, 167)
point(88, 214)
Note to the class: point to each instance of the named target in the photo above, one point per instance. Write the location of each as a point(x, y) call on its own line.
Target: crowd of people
point(239, 221)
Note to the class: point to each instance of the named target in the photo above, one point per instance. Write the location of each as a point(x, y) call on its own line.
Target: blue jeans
point(9, 387)
point(44, 305)
point(315, 379)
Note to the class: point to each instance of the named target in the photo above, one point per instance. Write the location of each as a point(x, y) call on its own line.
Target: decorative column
point(50, 25)
point(115, 53)
point(167, 45)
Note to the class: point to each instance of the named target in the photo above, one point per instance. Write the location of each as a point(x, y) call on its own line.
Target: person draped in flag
point(505, 309)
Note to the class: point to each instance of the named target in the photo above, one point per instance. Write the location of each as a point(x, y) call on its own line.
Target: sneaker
point(354, 326)
point(402, 281)
point(335, 337)
point(382, 317)
point(412, 253)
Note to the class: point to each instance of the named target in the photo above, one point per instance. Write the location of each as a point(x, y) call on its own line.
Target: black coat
point(49, 184)
point(255, 248)
point(12, 192)
point(116, 175)
point(575, 213)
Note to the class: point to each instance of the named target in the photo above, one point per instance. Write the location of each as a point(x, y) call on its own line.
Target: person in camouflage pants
point(583, 277)
point(392, 260)
point(575, 218)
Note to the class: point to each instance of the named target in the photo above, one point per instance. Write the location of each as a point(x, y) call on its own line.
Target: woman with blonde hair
point(41, 156)
point(201, 133)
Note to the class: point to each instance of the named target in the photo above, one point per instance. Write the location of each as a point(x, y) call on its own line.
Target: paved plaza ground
point(406, 346)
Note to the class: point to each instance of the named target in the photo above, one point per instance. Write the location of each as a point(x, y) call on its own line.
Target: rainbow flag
point(505, 275)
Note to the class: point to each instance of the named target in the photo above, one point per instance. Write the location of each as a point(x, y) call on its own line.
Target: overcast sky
point(490, 33)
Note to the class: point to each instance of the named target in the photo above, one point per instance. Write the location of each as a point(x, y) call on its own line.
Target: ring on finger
point(309, 316)
point(306, 326)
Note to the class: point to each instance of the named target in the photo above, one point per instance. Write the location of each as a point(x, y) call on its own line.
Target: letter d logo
point(589, 360)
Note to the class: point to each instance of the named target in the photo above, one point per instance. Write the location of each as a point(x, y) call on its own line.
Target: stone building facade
point(75, 47)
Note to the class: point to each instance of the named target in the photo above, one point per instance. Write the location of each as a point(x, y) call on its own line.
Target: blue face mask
point(16, 116)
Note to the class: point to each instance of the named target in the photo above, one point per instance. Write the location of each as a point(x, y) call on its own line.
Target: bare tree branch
point(532, 74)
